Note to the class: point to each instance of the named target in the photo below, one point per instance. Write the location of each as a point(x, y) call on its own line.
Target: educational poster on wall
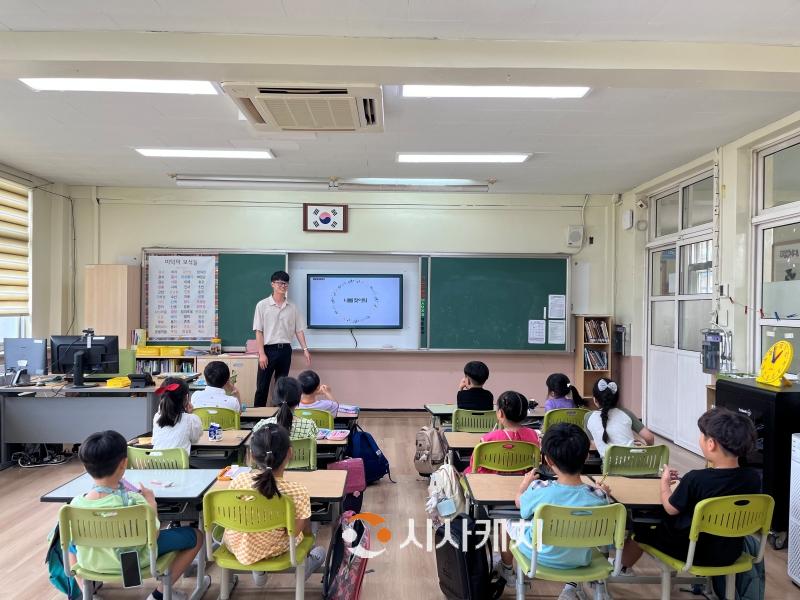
point(181, 297)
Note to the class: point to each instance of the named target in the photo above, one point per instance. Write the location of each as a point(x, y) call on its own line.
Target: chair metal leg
point(224, 584)
point(520, 583)
point(166, 579)
point(300, 581)
point(88, 589)
point(730, 586)
point(666, 582)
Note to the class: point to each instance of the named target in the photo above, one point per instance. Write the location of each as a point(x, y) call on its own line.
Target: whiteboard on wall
point(301, 265)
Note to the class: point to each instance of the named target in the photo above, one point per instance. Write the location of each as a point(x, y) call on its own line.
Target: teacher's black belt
point(277, 346)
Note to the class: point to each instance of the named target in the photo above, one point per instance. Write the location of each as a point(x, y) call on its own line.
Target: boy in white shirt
point(220, 391)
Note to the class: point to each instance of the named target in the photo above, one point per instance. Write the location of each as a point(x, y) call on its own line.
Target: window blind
point(14, 248)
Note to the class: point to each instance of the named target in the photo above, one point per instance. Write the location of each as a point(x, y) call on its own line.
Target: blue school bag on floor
point(54, 560)
point(362, 445)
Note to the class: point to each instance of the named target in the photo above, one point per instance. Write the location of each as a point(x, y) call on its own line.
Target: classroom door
point(679, 307)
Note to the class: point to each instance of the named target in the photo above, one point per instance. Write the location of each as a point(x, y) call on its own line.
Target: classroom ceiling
point(740, 21)
point(631, 127)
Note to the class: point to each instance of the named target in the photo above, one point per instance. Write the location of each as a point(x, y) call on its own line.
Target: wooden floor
point(406, 573)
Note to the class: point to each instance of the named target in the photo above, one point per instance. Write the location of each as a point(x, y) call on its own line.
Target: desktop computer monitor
point(101, 356)
point(26, 353)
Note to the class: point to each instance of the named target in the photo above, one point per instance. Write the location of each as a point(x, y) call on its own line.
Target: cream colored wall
point(125, 220)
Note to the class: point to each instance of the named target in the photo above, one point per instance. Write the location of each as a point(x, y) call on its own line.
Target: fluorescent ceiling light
point(410, 181)
point(415, 157)
point(493, 91)
point(147, 86)
point(250, 183)
point(188, 153)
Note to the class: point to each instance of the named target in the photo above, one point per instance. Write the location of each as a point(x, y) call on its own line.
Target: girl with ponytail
point(611, 424)
point(287, 396)
point(512, 408)
point(271, 452)
point(558, 388)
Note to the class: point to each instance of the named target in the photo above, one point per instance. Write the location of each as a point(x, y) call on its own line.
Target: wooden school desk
point(265, 412)
point(443, 413)
point(232, 439)
point(169, 486)
point(461, 440)
point(633, 492)
point(57, 414)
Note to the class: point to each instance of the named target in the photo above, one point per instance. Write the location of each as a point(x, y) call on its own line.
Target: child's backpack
point(362, 445)
point(445, 494)
point(344, 569)
point(431, 450)
point(750, 585)
point(54, 560)
point(354, 485)
point(465, 572)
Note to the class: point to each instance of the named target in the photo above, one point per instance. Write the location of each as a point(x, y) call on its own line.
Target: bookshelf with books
point(592, 351)
point(163, 364)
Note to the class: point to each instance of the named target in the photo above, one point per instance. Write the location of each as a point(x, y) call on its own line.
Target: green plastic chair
point(124, 527)
point(635, 461)
point(249, 511)
point(322, 418)
point(506, 456)
point(224, 417)
point(145, 458)
point(573, 527)
point(564, 415)
point(304, 455)
point(474, 421)
point(726, 516)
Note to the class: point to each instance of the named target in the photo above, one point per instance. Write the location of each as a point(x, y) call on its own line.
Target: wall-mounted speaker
point(575, 236)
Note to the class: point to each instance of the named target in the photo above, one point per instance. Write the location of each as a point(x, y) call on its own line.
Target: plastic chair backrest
point(124, 527)
point(580, 527)
point(321, 418)
point(635, 461)
point(250, 512)
point(169, 458)
point(224, 417)
point(474, 421)
point(304, 455)
point(564, 415)
point(506, 456)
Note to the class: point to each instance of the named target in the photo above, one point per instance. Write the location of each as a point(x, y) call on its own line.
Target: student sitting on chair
point(220, 391)
point(558, 387)
point(174, 425)
point(312, 388)
point(271, 452)
point(105, 457)
point(725, 437)
point(512, 408)
point(564, 449)
point(611, 424)
point(287, 396)
point(471, 395)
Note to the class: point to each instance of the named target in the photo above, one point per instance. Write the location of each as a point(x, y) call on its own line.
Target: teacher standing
point(276, 322)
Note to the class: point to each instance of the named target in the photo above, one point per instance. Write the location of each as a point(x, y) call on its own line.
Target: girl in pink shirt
point(512, 408)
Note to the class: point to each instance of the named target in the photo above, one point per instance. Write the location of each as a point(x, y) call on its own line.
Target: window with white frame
point(14, 261)
point(777, 234)
point(681, 261)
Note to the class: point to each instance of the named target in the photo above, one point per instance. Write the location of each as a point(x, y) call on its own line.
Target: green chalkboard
point(486, 302)
point(242, 280)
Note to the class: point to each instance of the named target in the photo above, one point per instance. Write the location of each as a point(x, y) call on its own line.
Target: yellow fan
point(775, 364)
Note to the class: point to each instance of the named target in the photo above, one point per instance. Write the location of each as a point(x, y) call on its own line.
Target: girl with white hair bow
point(612, 424)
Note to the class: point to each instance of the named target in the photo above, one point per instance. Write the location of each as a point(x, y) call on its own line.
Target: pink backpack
point(344, 570)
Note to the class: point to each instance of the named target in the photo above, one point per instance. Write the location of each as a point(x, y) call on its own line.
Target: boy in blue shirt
point(564, 449)
point(105, 457)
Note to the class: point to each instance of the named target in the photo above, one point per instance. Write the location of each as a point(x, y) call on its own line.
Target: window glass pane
point(781, 272)
point(698, 203)
point(662, 319)
point(696, 273)
point(694, 315)
point(667, 215)
point(771, 334)
point(782, 177)
point(9, 327)
point(663, 273)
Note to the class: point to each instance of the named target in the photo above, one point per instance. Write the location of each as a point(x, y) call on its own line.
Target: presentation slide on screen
point(355, 301)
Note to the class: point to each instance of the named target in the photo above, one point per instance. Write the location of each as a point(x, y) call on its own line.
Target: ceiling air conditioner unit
point(308, 107)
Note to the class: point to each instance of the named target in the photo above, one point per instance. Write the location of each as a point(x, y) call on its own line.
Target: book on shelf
point(595, 360)
point(164, 365)
point(596, 331)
